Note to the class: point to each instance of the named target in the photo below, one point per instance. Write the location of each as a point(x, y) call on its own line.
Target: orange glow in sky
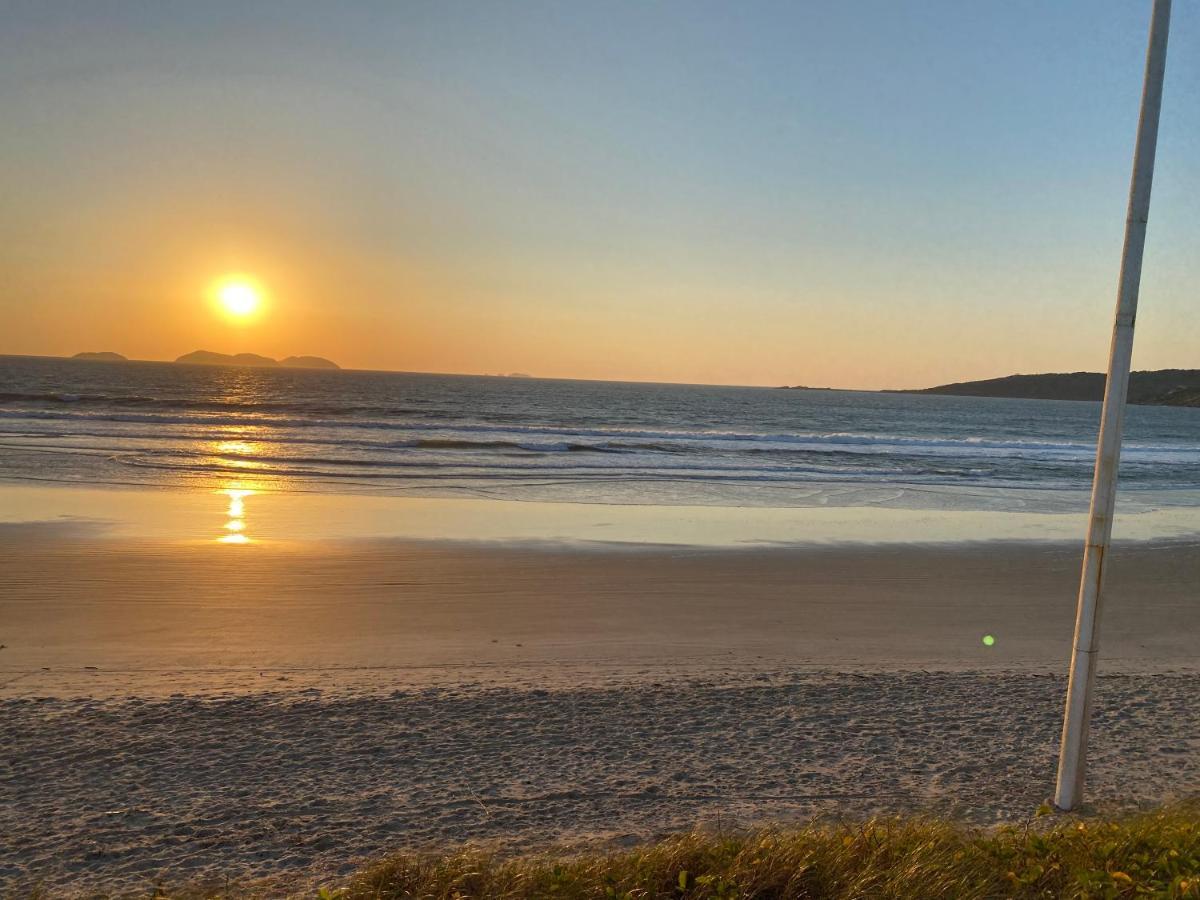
point(784, 194)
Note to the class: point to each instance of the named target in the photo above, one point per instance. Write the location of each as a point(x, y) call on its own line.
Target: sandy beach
point(298, 786)
point(177, 709)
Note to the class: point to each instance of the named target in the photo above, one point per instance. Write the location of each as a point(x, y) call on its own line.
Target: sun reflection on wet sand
point(236, 512)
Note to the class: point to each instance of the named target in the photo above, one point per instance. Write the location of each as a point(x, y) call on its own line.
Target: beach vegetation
point(1154, 854)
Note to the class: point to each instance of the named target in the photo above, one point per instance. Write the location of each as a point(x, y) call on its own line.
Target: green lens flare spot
point(988, 640)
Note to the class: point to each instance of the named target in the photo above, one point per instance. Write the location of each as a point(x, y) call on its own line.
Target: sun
point(239, 297)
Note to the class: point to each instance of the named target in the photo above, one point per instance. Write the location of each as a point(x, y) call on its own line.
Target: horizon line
point(530, 377)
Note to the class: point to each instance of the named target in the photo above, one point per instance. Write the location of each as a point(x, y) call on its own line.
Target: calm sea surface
point(161, 424)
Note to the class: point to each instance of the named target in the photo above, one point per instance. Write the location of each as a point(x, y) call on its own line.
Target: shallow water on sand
point(240, 517)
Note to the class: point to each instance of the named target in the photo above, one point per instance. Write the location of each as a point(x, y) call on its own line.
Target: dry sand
point(178, 711)
point(298, 787)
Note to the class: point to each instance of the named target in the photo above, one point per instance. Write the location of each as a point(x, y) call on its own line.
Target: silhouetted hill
point(1164, 387)
point(309, 362)
point(208, 358)
point(101, 356)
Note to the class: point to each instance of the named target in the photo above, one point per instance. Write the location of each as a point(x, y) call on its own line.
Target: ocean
point(163, 424)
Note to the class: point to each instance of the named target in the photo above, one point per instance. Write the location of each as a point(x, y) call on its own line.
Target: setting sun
point(238, 297)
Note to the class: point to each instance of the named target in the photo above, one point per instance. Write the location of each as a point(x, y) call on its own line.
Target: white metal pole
point(1073, 757)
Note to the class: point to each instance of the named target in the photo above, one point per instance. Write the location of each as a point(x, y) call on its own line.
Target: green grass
point(1156, 855)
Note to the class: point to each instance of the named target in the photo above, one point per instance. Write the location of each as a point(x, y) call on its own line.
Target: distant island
point(209, 358)
point(1164, 387)
point(101, 356)
point(308, 362)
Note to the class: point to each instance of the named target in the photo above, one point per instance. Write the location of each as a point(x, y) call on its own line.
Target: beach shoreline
point(173, 706)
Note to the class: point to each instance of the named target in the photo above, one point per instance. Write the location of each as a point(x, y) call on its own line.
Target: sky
point(870, 195)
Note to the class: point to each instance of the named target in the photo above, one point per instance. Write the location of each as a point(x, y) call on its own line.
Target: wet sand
point(110, 617)
point(281, 711)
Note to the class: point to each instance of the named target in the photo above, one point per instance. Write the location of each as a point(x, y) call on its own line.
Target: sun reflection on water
point(236, 513)
point(238, 454)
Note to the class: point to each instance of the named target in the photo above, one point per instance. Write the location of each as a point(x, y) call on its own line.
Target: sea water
point(171, 425)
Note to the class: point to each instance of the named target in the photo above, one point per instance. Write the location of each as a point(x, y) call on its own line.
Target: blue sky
point(870, 194)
